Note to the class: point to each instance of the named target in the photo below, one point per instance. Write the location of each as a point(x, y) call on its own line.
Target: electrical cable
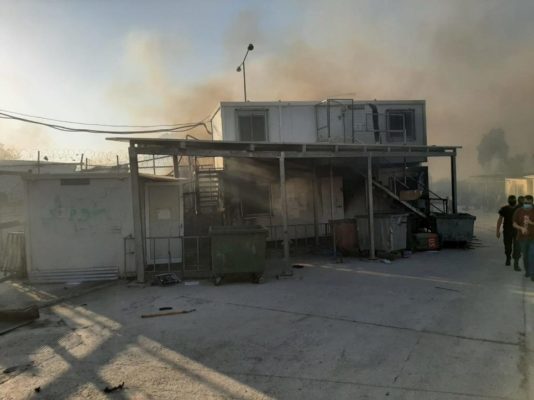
point(93, 124)
point(176, 128)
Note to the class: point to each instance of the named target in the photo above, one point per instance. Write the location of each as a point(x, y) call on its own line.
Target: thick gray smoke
point(471, 61)
point(494, 157)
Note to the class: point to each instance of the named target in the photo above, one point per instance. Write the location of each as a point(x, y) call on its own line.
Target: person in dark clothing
point(524, 223)
point(509, 233)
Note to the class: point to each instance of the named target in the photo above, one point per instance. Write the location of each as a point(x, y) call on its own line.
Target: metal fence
point(187, 254)
point(301, 236)
point(191, 255)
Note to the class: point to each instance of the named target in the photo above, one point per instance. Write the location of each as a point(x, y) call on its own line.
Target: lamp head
point(238, 69)
point(250, 47)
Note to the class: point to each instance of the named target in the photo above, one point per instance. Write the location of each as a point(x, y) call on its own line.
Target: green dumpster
point(457, 228)
point(238, 250)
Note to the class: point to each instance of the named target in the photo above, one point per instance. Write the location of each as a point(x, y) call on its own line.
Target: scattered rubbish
point(385, 261)
point(20, 368)
point(297, 266)
point(165, 308)
point(167, 313)
point(406, 253)
point(114, 388)
point(137, 284)
point(8, 326)
point(20, 314)
point(285, 274)
point(166, 279)
point(191, 283)
point(37, 389)
point(444, 288)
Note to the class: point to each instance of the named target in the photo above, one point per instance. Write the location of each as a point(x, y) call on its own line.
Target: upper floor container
point(333, 121)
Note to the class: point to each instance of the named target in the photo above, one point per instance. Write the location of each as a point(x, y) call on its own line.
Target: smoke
point(470, 61)
point(19, 139)
point(492, 147)
point(494, 157)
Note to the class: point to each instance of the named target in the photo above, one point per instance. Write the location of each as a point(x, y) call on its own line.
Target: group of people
point(517, 222)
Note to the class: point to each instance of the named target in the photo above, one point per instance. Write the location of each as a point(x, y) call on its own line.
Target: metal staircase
point(396, 197)
point(208, 189)
point(392, 193)
point(436, 203)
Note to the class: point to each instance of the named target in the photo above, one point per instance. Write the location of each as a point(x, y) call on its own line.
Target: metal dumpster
point(390, 232)
point(457, 228)
point(238, 250)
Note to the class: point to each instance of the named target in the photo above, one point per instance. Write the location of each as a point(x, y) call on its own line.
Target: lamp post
point(242, 67)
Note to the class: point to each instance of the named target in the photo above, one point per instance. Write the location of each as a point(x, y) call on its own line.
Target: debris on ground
point(444, 288)
point(37, 389)
point(20, 314)
point(167, 313)
point(166, 279)
point(165, 308)
point(297, 266)
point(385, 261)
point(20, 368)
point(114, 388)
point(8, 326)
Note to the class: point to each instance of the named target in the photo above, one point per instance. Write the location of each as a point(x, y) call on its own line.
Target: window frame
point(249, 112)
point(411, 136)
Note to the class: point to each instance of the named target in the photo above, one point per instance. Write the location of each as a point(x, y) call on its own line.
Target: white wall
point(295, 122)
point(516, 186)
point(77, 226)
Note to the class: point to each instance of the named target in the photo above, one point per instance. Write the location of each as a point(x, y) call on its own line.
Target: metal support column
point(175, 165)
point(454, 191)
point(283, 200)
point(137, 219)
point(315, 206)
point(332, 210)
point(371, 215)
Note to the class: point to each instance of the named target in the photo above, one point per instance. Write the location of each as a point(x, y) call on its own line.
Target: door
point(164, 223)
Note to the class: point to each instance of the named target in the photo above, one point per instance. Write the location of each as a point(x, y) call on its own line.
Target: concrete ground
point(454, 324)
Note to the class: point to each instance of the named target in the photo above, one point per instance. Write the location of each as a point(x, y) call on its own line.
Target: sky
point(162, 62)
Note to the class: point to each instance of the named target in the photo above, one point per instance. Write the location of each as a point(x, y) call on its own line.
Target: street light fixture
point(241, 67)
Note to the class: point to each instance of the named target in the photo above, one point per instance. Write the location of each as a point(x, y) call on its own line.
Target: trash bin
point(346, 235)
point(390, 232)
point(238, 250)
point(426, 241)
point(458, 228)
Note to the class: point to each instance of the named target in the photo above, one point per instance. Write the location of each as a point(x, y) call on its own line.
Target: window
point(256, 199)
point(252, 125)
point(399, 121)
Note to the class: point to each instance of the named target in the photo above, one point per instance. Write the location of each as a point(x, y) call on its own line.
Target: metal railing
point(173, 253)
point(300, 235)
point(431, 200)
point(355, 122)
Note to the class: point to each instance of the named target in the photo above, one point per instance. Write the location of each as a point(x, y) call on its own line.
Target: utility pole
point(242, 67)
